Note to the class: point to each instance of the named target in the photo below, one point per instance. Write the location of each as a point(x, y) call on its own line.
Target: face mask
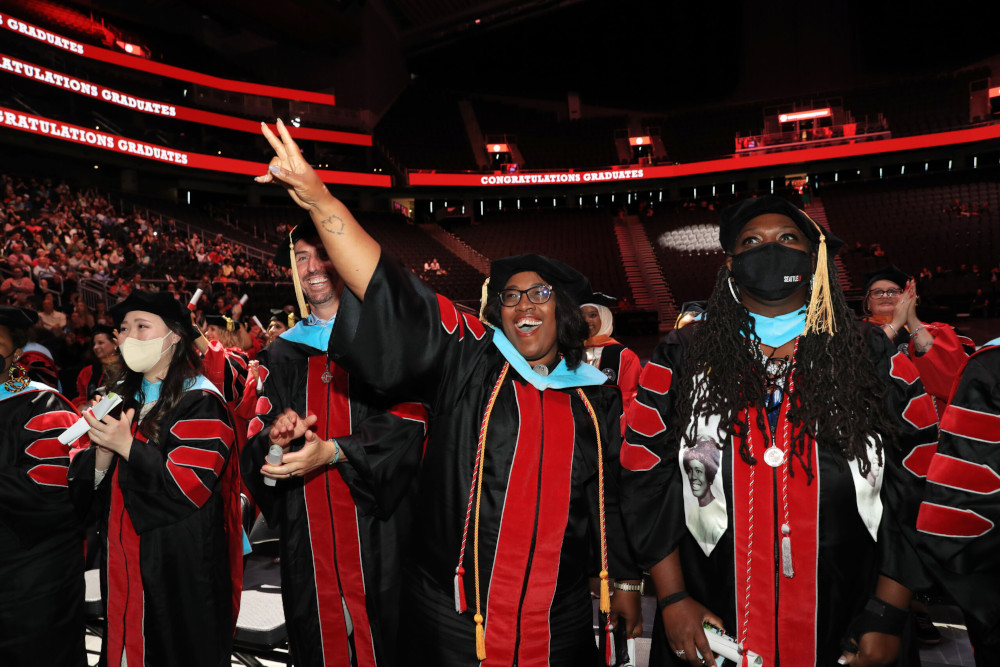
point(772, 272)
point(141, 355)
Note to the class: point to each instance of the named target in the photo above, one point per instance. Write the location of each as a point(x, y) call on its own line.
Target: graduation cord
point(746, 598)
point(476, 492)
point(605, 589)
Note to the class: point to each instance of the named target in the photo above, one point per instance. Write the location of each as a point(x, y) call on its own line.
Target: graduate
point(518, 491)
point(606, 354)
point(165, 474)
point(959, 516)
point(341, 498)
point(41, 562)
point(768, 480)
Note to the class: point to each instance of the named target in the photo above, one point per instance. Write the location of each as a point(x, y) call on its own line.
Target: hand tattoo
point(331, 225)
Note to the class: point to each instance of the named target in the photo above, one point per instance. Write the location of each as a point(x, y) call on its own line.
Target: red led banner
point(169, 71)
point(54, 129)
point(82, 87)
point(756, 161)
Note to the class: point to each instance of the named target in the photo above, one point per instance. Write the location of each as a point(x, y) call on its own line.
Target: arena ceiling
point(656, 54)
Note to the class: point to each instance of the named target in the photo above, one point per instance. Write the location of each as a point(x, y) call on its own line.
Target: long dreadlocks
point(837, 398)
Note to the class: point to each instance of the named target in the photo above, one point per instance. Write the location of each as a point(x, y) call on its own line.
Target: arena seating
point(583, 238)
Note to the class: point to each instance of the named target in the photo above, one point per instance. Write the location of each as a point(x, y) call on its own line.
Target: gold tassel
point(480, 638)
point(229, 323)
point(605, 593)
point(303, 308)
point(482, 299)
point(819, 316)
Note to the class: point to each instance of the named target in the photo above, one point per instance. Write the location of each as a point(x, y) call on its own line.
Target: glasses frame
point(524, 292)
point(885, 292)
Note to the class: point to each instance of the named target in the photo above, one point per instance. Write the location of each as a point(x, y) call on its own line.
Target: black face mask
point(772, 272)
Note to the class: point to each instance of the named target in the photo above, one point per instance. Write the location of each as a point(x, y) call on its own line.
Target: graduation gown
point(41, 561)
point(845, 529)
point(621, 365)
point(959, 517)
point(538, 537)
point(343, 529)
point(90, 379)
point(171, 526)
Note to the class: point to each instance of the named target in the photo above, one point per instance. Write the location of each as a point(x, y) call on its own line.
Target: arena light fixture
point(639, 141)
point(804, 115)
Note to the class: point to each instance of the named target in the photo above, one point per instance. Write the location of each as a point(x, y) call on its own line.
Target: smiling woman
point(162, 473)
point(518, 487)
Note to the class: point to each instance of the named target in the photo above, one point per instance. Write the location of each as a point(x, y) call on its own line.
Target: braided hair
point(837, 399)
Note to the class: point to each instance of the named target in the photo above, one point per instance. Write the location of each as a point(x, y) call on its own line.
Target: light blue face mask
point(776, 331)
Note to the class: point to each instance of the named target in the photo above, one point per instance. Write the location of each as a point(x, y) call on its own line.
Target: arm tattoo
point(333, 224)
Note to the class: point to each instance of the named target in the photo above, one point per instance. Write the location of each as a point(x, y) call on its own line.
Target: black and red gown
point(844, 529)
point(959, 517)
point(538, 538)
point(343, 529)
point(41, 560)
point(174, 537)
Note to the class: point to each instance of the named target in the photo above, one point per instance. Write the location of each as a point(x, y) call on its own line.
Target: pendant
point(773, 456)
point(326, 377)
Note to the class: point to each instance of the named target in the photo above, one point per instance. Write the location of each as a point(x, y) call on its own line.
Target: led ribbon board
point(132, 62)
point(46, 127)
point(740, 163)
point(83, 87)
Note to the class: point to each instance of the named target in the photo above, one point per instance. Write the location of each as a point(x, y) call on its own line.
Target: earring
point(18, 379)
point(732, 290)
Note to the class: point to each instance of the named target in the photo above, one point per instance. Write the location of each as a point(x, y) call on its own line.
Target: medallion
point(773, 456)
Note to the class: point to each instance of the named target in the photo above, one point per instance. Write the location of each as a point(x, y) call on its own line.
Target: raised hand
point(289, 168)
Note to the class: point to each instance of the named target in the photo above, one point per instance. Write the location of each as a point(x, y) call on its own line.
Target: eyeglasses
point(887, 293)
point(538, 294)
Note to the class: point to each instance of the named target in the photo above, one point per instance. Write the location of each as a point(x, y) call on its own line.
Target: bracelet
point(336, 456)
point(894, 332)
point(628, 588)
point(663, 603)
point(914, 331)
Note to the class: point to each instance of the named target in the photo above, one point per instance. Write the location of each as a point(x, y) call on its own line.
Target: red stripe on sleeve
point(963, 475)
point(255, 427)
point(903, 369)
point(971, 424)
point(189, 483)
point(473, 324)
point(412, 411)
point(192, 457)
point(920, 411)
point(637, 458)
point(656, 378)
point(49, 475)
point(644, 420)
point(449, 316)
point(47, 448)
point(951, 522)
point(919, 459)
point(263, 406)
point(203, 429)
point(50, 420)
